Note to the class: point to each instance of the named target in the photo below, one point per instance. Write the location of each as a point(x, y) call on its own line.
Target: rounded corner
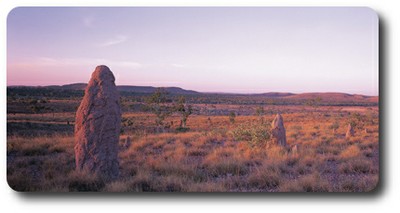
point(376, 188)
point(12, 11)
point(12, 187)
point(373, 12)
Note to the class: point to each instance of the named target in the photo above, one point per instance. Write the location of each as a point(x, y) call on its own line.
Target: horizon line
point(209, 92)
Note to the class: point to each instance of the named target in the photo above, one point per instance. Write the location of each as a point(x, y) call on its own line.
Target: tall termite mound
point(97, 126)
point(278, 132)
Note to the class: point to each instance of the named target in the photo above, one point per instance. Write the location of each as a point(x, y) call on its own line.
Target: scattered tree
point(38, 105)
point(334, 127)
point(314, 103)
point(184, 110)
point(260, 113)
point(232, 117)
point(158, 104)
point(126, 123)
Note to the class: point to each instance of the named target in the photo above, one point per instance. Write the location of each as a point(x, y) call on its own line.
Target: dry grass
point(307, 183)
point(351, 151)
point(209, 158)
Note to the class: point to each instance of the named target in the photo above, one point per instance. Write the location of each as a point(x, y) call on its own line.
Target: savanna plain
point(199, 142)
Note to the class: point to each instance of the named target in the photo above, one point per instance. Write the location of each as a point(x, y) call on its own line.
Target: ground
point(216, 153)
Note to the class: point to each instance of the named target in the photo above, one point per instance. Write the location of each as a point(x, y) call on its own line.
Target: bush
point(307, 183)
point(232, 117)
point(350, 152)
point(356, 166)
point(255, 134)
point(264, 178)
point(182, 129)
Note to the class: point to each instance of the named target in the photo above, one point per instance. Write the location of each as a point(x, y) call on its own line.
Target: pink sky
point(245, 50)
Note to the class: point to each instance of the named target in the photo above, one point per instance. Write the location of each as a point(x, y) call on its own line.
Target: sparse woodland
point(191, 145)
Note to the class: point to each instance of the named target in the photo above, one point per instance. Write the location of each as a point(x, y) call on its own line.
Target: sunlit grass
point(208, 158)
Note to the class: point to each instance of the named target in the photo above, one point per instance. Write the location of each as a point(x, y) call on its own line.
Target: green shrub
point(255, 134)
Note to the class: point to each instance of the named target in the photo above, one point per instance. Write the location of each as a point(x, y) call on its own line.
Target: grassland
point(215, 155)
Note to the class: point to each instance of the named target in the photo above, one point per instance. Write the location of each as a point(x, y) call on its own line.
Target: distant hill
point(274, 94)
point(149, 89)
point(77, 86)
point(125, 88)
point(330, 97)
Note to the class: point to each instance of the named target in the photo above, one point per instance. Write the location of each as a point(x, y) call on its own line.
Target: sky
point(207, 49)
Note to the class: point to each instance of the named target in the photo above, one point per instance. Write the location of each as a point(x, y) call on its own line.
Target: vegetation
point(63, 100)
point(158, 104)
point(260, 112)
point(334, 126)
point(232, 116)
point(184, 110)
point(213, 154)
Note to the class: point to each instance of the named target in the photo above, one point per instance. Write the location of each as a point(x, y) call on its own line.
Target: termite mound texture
point(97, 126)
point(278, 132)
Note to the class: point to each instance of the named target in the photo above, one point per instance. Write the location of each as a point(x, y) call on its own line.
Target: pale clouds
point(115, 40)
point(61, 62)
